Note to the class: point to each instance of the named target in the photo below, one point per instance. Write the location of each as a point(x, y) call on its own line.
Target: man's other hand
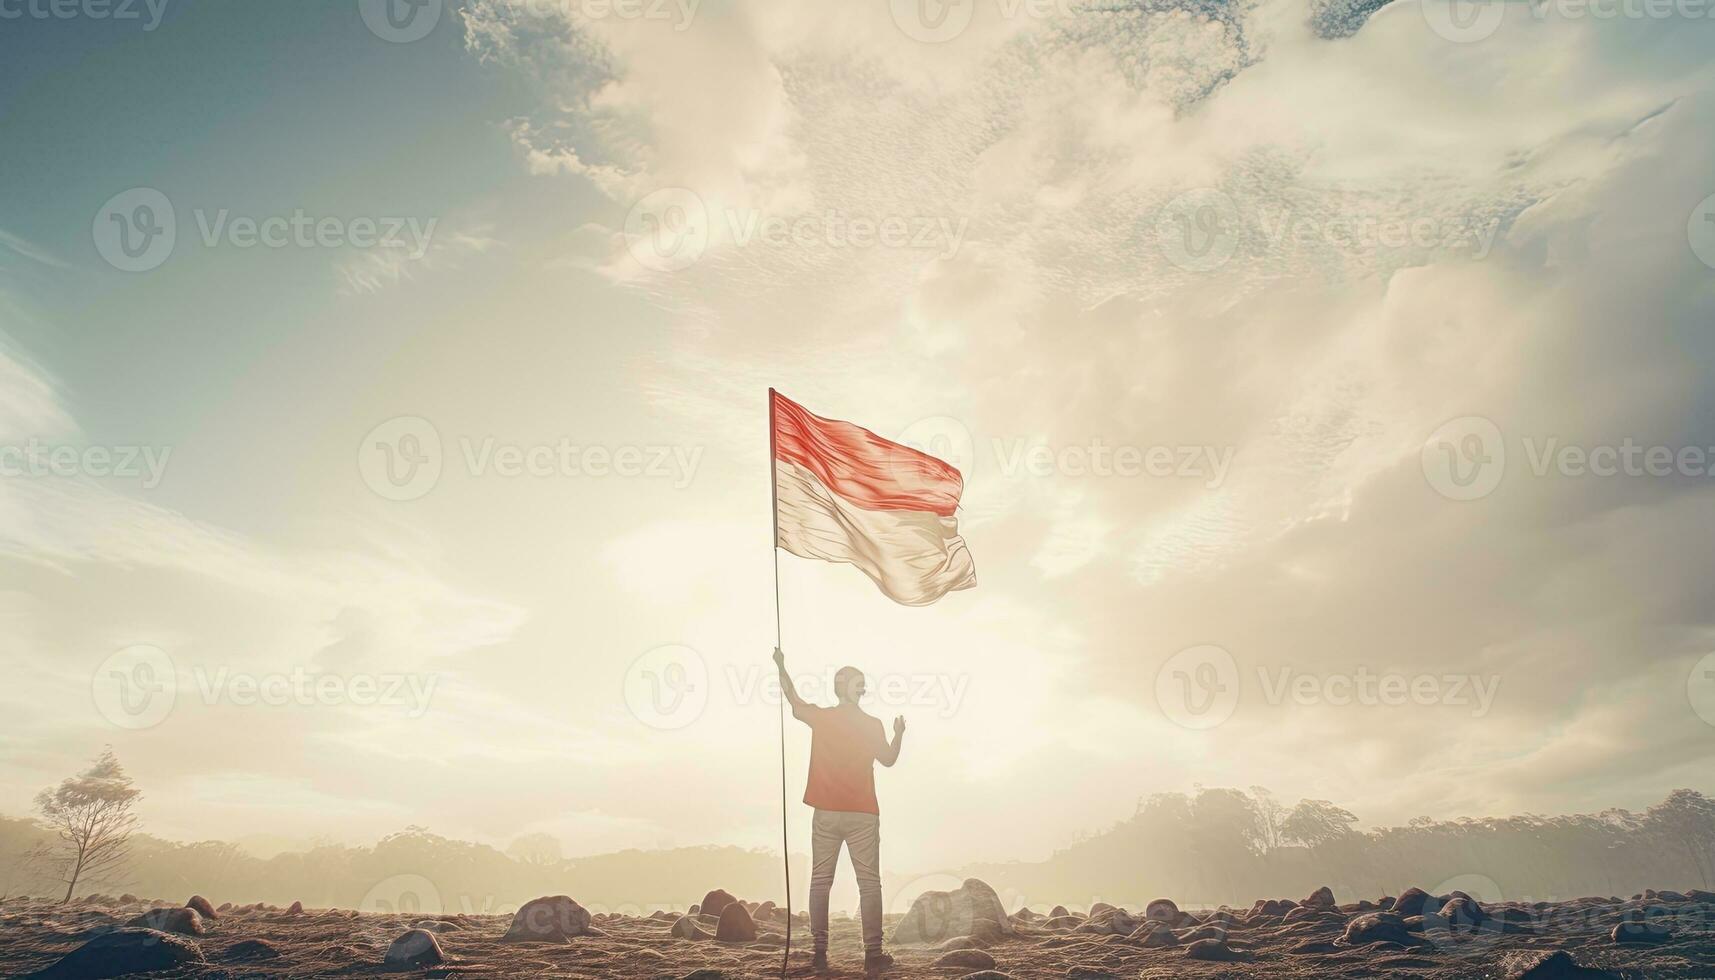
point(779, 658)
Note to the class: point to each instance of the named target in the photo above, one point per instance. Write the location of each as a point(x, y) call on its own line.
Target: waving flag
point(843, 493)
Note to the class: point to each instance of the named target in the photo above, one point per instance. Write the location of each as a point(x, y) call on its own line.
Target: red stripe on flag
point(862, 467)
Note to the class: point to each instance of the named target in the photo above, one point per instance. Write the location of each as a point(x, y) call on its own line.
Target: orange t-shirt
point(844, 744)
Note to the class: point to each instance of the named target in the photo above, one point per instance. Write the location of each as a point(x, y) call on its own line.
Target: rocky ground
point(958, 934)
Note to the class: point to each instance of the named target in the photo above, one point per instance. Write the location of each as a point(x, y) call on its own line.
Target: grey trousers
point(861, 834)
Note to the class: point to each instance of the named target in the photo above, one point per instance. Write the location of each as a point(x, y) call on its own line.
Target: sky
point(383, 427)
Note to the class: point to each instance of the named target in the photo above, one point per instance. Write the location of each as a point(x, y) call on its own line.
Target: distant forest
point(1214, 846)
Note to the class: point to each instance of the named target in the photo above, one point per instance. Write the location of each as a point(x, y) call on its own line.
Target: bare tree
point(90, 814)
point(537, 850)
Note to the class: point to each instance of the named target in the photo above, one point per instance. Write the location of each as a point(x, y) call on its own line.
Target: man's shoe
point(819, 962)
point(876, 962)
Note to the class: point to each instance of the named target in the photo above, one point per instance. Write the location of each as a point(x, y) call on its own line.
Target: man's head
point(848, 685)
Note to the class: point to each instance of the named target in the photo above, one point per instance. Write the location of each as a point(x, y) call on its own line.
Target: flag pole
point(774, 546)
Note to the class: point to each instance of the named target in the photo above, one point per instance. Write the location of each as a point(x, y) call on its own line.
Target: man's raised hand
point(898, 725)
point(779, 658)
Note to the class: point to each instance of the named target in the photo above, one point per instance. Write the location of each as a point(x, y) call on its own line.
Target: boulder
point(1640, 934)
point(225, 907)
point(1098, 908)
point(1161, 910)
point(736, 925)
point(1410, 902)
point(714, 903)
point(1545, 965)
point(415, 947)
point(296, 908)
point(1154, 934)
point(966, 959)
point(1110, 921)
point(972, 909)
point(123, 951)
point(687, 928)
point(1201, 933)
point(203, 906)
point(551, 919)
point(251, 949)
point(1321, 898)
point(1377, 927)
point(1463, 914)
point(1057, 911)
point(185, 922)
point(1215, 950)
point(1063, 922)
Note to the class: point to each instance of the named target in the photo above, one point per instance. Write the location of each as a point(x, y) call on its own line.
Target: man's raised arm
point(890, 754)
point(787, 688)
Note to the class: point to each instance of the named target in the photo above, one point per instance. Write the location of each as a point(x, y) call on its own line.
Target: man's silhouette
point(845, 742)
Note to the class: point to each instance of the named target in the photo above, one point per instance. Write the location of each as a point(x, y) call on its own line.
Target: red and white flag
point(843, 493)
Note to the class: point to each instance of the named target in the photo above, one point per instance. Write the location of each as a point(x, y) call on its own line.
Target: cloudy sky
point(385, 433)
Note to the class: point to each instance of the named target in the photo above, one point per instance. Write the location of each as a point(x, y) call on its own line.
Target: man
point(845, 742)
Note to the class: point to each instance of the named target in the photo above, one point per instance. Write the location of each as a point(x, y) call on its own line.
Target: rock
point(1057, 911)
point(297, 908)
point(1545, 965)
point(437, 925)
point(1098, 908)
point(1203, 932)
point(1076, 972)
point(1213, 949)
point(1410, 902)
point(1463, 914)
point(1377, 927)
point(1321, 898)
point(715, 902)
point(1385, 903)
point(415, 947)
point(554, 918)
point(973, 909)
point(1154, 934)
point(1109, 921)
point(203, 906)
point(966, 959)
point(128, 899)
point(251, 949)
point(764, 911)
point(1161, 910)
point(123, 951)
point(687, 928)
point(224, 907)
point(736, 925)
point(185, 922)
point(1063, 922)
point(1640, 934)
